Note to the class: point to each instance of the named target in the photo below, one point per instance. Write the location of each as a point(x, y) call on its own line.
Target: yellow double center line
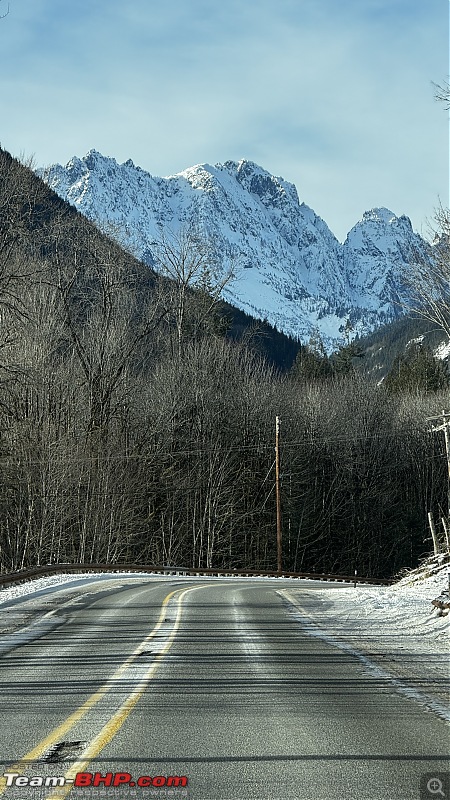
point(116, 721)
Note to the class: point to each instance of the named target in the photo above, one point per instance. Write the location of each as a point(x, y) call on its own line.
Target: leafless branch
point(428, 283)
point(442, 93)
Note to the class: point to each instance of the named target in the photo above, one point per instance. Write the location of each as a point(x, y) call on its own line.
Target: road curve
point(209, 680)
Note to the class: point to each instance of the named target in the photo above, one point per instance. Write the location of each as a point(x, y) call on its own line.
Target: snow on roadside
point(23, 604)
point(394, 631)
point(36, 585)
point(28, 607)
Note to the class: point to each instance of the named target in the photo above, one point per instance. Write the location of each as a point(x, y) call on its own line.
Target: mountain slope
point(291, 269)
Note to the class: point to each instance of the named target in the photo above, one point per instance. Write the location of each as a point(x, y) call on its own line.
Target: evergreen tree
point(312, 362)
point(417, 371)
point(343, 360)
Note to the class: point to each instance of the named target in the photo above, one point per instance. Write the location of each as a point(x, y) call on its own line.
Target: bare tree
point(106, 316)
point(428, 282)
point(21, 219)
point(190, 261)
point(442, 93)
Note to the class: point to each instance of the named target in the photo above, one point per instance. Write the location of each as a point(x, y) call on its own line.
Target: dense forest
point(137, 417)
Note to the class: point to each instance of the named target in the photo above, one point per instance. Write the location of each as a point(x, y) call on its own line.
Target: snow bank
point(395, 631)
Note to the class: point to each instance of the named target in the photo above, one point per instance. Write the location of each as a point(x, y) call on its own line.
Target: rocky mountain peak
point(290, 267)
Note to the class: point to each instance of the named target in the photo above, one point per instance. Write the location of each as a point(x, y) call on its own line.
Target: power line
point(259, 448)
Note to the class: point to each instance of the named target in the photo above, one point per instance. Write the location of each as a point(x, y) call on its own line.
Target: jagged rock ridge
point(291, 269)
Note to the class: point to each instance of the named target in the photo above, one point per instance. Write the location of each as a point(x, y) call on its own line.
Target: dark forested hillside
point(137, 420)
point(386, 344)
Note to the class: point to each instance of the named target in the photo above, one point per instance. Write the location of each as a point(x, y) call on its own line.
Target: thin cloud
point(337, 98)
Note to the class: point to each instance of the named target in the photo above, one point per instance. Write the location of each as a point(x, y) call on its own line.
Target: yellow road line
point(116, 721)
point(58, 732)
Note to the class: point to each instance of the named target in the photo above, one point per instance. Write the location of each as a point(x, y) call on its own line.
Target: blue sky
point(333, 95)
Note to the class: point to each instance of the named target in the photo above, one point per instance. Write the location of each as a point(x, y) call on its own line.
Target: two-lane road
point(212, 680)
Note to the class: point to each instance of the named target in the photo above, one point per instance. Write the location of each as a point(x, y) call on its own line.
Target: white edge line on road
point(373, 669)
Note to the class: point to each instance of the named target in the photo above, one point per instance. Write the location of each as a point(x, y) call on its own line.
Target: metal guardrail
point(22, 576)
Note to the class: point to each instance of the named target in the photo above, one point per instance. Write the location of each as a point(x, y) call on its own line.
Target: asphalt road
point(214, 681)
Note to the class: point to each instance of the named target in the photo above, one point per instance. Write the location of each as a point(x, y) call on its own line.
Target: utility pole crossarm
point(435, 429)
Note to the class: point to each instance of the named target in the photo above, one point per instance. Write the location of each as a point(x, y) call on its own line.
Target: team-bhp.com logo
point(83, 779)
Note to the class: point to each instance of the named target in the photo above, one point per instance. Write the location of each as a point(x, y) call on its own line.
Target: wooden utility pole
point(446, 421)
point(444, 427)
point(447, 534)
point(433, 534)
point(445, 522)
point(277, 493)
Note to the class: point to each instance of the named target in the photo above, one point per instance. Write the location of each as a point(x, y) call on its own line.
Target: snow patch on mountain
point(290, 268)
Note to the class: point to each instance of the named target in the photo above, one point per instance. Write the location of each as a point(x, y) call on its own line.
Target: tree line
point(133, 429)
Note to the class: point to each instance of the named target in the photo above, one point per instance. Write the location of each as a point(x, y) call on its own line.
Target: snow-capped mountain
point(291, 269)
